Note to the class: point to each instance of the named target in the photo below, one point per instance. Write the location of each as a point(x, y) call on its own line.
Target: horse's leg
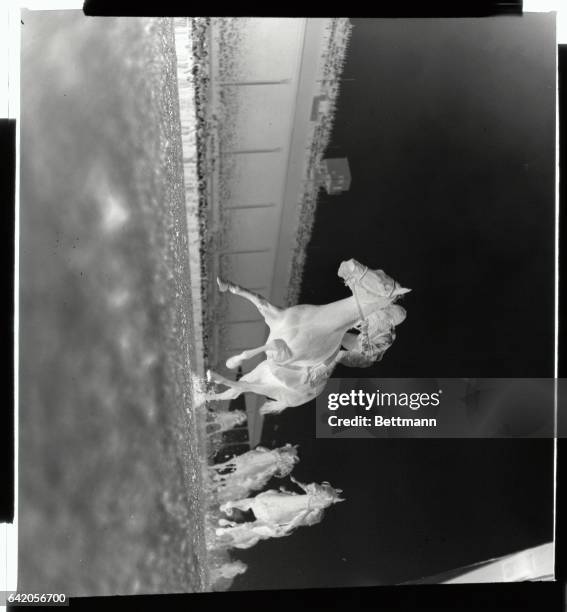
point(233, 362)
point(236, 387)
point(265, 308)
point(229, 394)
point(214, 429)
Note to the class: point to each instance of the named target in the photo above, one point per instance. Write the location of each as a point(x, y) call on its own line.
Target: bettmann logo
point(379, 421)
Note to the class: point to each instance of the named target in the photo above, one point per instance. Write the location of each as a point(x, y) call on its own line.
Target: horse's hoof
point(223, 286)
point(232, 363)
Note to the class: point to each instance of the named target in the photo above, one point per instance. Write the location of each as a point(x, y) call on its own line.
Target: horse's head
point(324, 495)
point(378, 282)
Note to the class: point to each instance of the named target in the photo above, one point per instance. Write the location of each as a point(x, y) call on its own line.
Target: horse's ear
point(402, 290)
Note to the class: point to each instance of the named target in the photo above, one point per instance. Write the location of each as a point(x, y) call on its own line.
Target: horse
point(277, 513)
point(306, 342)
point(250, 471)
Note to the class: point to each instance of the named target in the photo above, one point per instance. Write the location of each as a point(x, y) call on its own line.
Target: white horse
point(277, 513)
point(237, 477)
point(306, 342)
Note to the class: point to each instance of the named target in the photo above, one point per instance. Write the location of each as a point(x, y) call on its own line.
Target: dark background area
point(449, 128)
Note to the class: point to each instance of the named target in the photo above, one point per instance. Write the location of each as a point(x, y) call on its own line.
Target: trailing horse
point(277, 513)
point(237, 477)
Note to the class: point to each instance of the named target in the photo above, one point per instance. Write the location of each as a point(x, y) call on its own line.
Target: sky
point(449, 129)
